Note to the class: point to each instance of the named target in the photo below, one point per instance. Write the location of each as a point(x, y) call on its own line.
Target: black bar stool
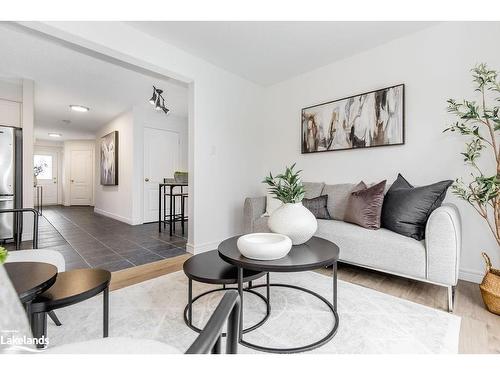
point(172, 217)
point(184, 217)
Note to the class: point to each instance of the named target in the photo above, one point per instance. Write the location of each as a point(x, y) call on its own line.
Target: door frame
point(58, 150)
point(143, 191)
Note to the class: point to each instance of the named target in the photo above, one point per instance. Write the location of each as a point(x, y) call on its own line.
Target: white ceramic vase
point(295, 221)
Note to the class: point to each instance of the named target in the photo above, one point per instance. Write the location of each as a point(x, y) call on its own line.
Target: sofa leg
point(451, 298)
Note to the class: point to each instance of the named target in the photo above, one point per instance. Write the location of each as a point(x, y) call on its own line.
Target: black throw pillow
point(318, 206)
point(407, 208)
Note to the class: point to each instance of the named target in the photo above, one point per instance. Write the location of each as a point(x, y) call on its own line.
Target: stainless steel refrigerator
point(10, 179)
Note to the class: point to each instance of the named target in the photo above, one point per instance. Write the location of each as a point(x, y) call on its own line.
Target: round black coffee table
point(70, 287)
point(314, 254)
point(209, 268)
point(31, 278)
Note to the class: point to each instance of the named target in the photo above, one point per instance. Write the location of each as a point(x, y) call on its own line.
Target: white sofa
point(434, 259)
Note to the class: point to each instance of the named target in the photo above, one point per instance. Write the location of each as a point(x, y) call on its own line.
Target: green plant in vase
point(286, 187)
point(292, 218)
point(479, 122)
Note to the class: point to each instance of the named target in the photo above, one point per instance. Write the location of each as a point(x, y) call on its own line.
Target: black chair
point(209, 340)
point(13, 319)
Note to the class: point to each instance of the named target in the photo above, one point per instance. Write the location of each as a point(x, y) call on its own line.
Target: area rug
point(370, 322)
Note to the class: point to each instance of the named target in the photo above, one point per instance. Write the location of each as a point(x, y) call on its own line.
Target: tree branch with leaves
point(479, 122)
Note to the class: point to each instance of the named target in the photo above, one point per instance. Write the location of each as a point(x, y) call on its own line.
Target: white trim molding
point(202, 248)
point(115, 216)
point(473, 276)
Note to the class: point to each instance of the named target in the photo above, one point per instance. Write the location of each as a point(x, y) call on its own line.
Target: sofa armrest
point(443, 243)
point(252, 210)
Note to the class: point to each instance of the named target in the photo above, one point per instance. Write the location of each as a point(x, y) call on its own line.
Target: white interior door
point(81, 177)
point(161, 159)
point(46, 163)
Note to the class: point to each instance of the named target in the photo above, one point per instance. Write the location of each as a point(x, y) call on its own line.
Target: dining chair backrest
point(38, 255)
point(14, 327)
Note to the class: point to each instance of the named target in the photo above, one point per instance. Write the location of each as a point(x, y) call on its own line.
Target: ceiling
point(270, 52)
point(64, 76)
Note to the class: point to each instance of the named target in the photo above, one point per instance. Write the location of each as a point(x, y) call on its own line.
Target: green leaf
point(287, 186)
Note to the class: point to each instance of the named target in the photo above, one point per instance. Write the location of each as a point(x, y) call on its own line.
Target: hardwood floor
point(134, 275)
point(480, 329)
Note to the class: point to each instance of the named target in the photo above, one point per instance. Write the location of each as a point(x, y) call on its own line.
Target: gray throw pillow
point(364, 205)
point(313, 189)
point(318, 206)
point(407, 208)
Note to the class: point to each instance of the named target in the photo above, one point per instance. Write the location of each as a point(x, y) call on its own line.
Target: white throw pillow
point(271, 204)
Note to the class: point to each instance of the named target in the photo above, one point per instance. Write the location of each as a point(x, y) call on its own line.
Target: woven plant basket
point(490, 287)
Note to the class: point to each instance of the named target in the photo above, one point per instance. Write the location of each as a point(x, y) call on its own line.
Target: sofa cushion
point(407, 208)
point(337, 199)
point(272, 203)
point(318, 206)
point(364, 206)
point(313, 189)
point(379, 249)
point(260, 225)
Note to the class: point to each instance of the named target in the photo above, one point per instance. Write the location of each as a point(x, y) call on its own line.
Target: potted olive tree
point(479, 122)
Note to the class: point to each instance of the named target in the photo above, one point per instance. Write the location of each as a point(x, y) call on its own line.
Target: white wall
point(223, 123)
point(66, 174)
point(11, 89)
point(434, 65)
point(117, 201)
point(125, 202)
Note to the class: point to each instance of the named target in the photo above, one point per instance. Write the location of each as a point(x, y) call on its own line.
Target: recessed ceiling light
point(79, 108)
point(55, 135)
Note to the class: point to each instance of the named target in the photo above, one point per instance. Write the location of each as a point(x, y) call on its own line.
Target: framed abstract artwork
point(372, 119)
point(109, 159)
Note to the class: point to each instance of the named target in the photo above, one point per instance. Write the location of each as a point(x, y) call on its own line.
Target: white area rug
point(370, 321)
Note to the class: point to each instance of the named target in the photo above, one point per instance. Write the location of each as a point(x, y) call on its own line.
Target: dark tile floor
point(89, 240)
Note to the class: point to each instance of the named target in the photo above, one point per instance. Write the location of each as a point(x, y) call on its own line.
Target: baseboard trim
point(114, 216)
point(202, 248)
point(471, 275)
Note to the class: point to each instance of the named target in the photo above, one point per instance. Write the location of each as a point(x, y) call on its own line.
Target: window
point(42, 167)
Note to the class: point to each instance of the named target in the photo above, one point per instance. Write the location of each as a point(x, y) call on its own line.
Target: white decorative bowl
point(264, 246)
